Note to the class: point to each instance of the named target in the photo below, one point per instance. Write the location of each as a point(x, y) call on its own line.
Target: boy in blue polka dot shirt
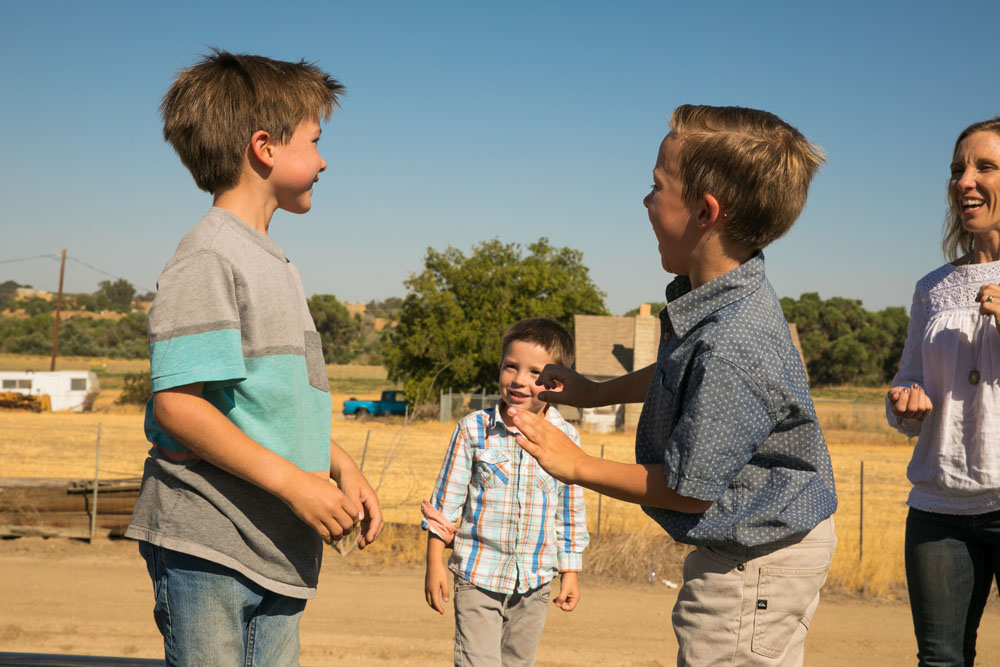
point(729, 453)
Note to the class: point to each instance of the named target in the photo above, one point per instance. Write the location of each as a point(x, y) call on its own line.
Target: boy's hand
point(569, 591)
point(436, 586)
point(555, 452)
point(910, 402)
point(356, 487)
point(565, 386)
point(321, 505)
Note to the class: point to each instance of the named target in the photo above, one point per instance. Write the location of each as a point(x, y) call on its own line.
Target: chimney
point(643, 310)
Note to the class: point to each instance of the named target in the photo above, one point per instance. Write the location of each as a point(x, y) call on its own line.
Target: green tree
point(8, 289)
point(457, 308)
point(844, 343)
point(38, 306)
point(119, 294)
point(338, 330)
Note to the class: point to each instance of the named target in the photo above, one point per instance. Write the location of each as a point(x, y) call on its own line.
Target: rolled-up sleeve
point(725, 418)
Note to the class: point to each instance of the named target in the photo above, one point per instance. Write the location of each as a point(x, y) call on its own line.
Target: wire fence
point(456, 404)
point(73, 508)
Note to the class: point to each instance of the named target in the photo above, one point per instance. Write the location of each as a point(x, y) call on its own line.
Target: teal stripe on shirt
point(272, 403)
point(213, 356)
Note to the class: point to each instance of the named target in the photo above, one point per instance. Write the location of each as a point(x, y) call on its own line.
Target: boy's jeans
point(210, 615)
point(741, 606)
point(951, 561)
point(493, 629)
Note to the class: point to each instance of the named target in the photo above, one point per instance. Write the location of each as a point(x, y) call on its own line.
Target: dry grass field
point(371, 611)
point(402, 461)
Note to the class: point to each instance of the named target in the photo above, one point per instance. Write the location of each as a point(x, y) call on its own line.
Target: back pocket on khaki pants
point(786, 600)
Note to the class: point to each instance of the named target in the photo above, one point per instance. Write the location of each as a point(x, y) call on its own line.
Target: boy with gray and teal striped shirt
point(236, 497)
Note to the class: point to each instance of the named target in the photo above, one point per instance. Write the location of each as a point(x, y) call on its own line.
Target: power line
point(78, 261)
point(25, 259)
point(101, 271)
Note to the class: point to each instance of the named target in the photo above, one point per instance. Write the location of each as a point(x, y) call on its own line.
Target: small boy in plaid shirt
point(519, 525)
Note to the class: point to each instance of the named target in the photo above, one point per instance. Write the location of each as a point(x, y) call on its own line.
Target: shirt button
point(741, 567)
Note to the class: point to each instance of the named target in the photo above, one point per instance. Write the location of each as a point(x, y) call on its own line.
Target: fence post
point(97, 476)
point(364, 452)
point(861, 516)
point(597, 538)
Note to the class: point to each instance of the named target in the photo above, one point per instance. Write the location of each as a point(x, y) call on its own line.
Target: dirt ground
point(70, 597)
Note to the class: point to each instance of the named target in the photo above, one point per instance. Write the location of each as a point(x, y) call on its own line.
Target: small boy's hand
point(565, 386)
point(555, 452)
point(356, 487)
point(910, 402)
point(436, 586)
point(569, 591)
point(322, 506)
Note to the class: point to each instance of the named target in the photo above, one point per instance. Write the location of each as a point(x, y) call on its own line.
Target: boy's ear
point(261, 148)
point(709, 211)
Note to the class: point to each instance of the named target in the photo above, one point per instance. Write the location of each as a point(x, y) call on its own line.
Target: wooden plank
point(61, 523)
point(58, 500)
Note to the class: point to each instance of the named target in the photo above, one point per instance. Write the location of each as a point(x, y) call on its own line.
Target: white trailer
point(67, 390)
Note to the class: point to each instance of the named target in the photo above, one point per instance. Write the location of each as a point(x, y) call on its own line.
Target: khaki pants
point(493, 629)
point(742, 606)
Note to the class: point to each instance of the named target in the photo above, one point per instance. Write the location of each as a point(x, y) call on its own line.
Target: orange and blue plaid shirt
point(519, 525)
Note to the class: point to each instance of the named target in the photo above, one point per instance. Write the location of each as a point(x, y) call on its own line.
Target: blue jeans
point(210, 615)
point(951, 561)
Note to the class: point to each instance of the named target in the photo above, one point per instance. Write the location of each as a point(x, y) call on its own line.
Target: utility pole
point(55, 333)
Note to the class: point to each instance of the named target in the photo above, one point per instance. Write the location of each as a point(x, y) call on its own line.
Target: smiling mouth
point(970, 204)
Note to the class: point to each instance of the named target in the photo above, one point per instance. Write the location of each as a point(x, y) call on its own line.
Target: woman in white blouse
point(947, 393)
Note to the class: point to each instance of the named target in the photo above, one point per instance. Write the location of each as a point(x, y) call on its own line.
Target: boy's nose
point(322, 164)
point(645, 200)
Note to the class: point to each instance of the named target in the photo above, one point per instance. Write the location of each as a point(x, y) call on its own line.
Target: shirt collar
point(495, 420)
point(686, 307)
point(236, 223)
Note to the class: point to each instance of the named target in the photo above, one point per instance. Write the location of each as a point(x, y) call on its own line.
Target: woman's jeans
point(951, 561)
point(211, 616)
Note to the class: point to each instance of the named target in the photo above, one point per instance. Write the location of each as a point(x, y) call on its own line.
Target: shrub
point(137, 390)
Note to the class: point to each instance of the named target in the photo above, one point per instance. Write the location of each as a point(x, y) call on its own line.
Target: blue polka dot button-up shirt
point(729, 415)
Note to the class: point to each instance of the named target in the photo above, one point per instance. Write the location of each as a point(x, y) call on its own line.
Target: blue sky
point(469, 121)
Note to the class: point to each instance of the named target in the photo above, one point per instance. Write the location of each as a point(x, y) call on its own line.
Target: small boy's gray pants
point(498, 629)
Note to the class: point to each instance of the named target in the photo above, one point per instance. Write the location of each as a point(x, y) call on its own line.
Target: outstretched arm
point(642, 484)
point(198, 425)
point(565, 386)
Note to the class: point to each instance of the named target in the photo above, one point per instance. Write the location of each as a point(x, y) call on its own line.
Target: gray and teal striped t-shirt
point(230, 311)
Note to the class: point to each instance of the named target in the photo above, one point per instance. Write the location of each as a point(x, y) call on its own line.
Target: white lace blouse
point(955, 467)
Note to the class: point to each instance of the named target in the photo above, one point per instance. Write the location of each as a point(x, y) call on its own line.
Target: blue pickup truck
point(393, 402)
